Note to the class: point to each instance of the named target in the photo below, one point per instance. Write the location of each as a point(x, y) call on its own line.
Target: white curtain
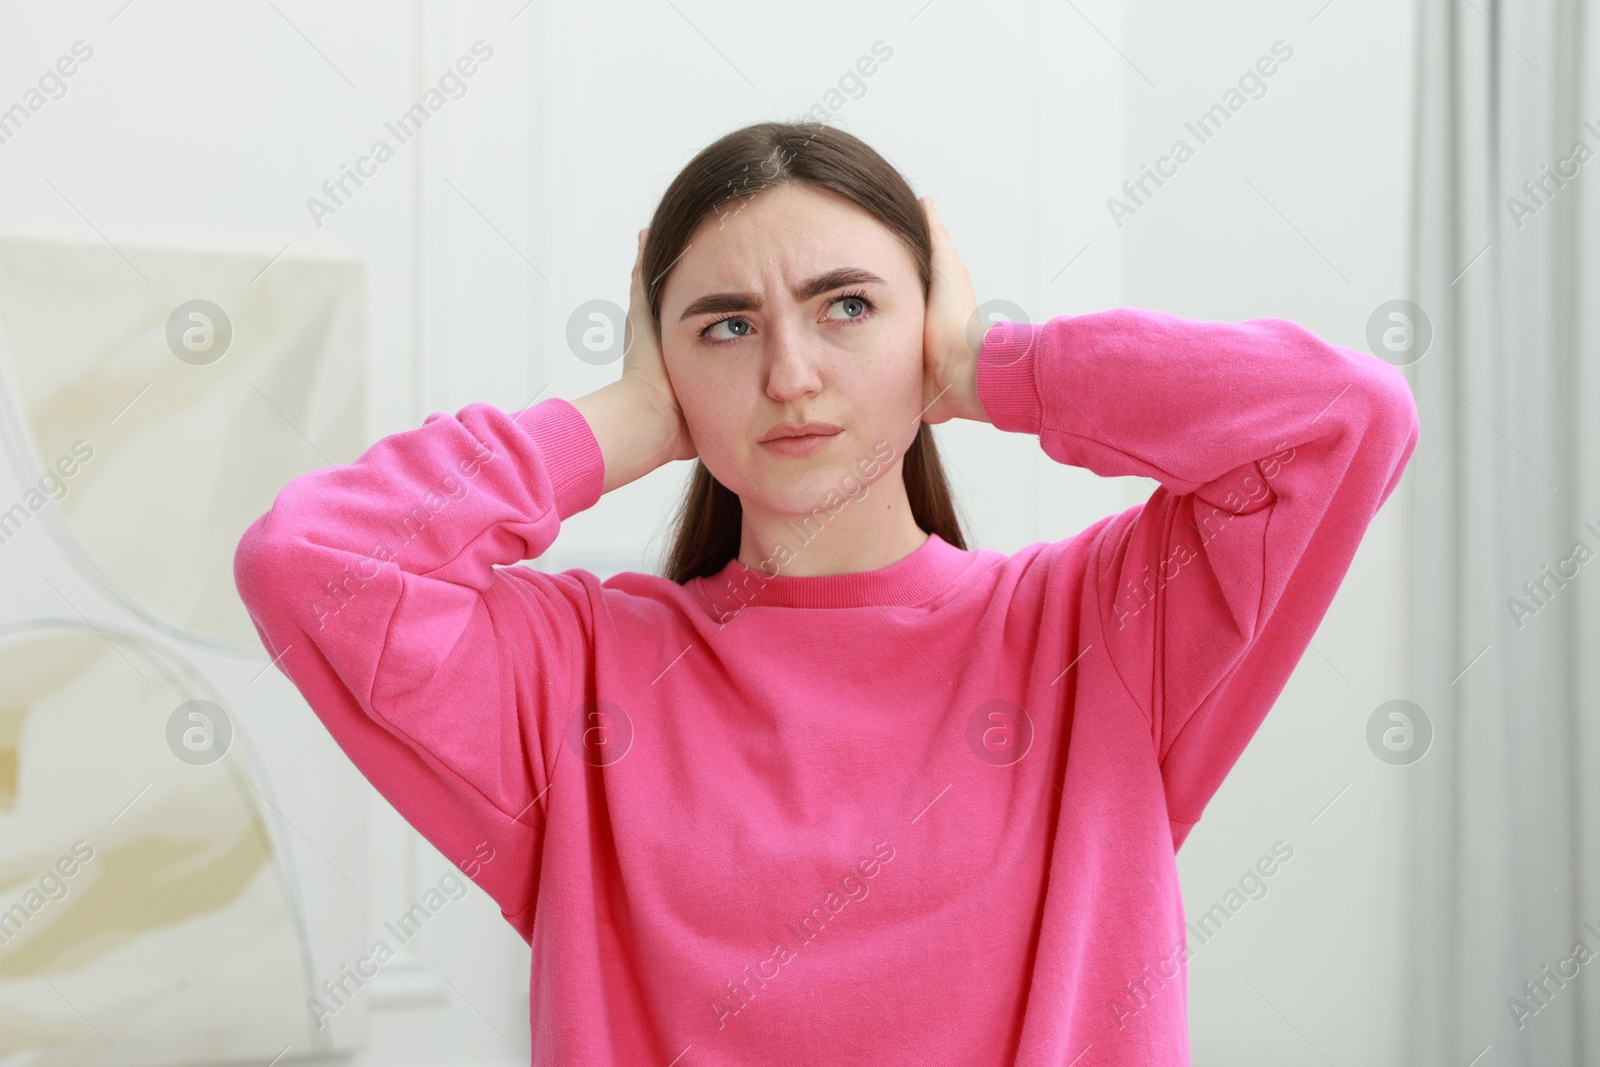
point(1503, 879)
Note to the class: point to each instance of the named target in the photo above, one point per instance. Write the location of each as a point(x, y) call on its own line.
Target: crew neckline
point(913, 579)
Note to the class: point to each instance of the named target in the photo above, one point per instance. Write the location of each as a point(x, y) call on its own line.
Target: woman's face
point(795, 306)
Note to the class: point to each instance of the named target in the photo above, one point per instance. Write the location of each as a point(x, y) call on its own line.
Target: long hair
point(739, 166)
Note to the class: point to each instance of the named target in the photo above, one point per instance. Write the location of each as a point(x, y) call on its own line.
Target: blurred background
point(198, 302)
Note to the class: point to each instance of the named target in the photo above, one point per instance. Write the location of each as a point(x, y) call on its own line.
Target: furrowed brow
point(719, 303)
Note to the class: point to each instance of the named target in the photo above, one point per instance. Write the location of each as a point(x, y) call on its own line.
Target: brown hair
point(738, 166)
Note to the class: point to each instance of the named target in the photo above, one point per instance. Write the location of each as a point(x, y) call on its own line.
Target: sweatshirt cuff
point(1008, 383)
point(571, 454)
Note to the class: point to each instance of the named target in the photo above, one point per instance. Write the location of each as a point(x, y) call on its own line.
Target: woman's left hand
point(949, 360)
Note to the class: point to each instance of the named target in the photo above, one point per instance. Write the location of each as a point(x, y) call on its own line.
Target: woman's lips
point(804, 445)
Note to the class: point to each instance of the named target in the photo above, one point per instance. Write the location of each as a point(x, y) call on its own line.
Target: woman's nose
point(792, 366)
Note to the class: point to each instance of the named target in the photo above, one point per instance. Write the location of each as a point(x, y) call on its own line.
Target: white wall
point(197, 126)
point(1328, 146)
point(205, 126)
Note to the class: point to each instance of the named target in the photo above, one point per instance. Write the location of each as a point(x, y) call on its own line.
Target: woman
point(836, 789)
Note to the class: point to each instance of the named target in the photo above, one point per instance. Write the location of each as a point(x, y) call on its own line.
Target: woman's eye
point(736, 326)
point(854, 306)
point(739, 326)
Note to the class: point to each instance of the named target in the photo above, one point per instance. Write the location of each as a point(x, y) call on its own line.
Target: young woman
point(837, 788)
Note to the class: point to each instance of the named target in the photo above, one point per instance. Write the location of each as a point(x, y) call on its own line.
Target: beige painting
point(181, 390)
point(144, 908)
point(156, 904)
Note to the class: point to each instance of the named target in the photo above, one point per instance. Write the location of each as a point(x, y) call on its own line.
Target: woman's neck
point(865, 534)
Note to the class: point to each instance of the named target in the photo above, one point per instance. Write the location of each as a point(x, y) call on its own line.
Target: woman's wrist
point(973, 403)
point(635, 432)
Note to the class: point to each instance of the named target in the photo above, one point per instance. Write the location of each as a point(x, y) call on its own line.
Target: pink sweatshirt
point(925, 814)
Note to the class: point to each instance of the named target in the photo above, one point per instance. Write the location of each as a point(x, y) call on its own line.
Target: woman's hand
point(949, 360)
point(643, 364)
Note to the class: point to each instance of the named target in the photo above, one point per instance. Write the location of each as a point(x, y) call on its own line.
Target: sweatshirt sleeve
point(382, 590)
point(1273, 449)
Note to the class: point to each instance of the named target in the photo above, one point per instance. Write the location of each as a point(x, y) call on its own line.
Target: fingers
point(936, 230)
point(945, 261)
point(638, 261)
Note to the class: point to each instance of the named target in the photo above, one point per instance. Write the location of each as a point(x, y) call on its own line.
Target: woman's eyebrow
point(837, 278)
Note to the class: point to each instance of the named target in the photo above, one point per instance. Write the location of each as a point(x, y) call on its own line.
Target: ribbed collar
point(929, 569)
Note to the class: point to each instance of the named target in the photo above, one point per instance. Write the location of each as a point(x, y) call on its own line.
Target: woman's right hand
point(643, 363)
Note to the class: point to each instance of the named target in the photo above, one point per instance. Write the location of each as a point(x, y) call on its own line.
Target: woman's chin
point(818, 492)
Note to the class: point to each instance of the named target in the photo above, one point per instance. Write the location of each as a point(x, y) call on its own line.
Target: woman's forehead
point(781, 238)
